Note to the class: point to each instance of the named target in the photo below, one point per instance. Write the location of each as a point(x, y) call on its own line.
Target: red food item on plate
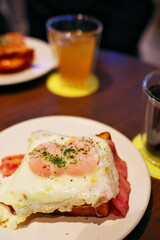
point(15, 55)
point(119, 206)
point(9, 164)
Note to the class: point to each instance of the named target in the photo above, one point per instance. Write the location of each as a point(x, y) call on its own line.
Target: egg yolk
point(76, 159)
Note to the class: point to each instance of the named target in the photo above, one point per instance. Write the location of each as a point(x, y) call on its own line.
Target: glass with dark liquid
point(151, 128)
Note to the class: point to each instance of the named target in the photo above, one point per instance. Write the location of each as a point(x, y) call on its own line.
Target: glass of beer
point(74, 40)
point(151, 122)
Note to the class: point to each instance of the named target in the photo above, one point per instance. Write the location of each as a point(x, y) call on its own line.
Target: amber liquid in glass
point(75, 57)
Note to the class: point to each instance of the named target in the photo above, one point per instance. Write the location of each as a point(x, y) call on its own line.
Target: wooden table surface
point(117, 103)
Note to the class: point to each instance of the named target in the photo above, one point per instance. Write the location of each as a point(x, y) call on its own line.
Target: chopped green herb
point(67, 155)
point(69, 150)
point(73, 162)
point(53, 159)
point(57, 161)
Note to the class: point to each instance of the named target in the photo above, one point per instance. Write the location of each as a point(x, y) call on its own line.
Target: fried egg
point(57, 173)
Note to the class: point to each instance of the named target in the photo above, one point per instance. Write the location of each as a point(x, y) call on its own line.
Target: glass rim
point(144, 84)
point(78, 16)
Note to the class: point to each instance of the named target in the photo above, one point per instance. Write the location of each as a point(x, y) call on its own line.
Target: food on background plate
point(65, 175)
point(15, 55)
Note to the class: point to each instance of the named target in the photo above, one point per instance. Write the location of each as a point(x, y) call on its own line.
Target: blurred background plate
point(43, 63)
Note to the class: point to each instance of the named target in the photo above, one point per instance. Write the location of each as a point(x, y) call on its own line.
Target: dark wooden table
point(117, 103)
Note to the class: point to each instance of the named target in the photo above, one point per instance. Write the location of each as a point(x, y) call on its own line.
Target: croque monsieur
point(15, 55)
point(63, 175)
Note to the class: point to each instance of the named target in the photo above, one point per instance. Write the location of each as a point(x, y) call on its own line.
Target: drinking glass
point(151, 122)
point(74, 39)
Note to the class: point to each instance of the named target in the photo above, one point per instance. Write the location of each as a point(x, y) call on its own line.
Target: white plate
point(44, 62)
point(14, 140)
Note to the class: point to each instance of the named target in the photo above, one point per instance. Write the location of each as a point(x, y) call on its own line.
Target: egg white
point(29, 193)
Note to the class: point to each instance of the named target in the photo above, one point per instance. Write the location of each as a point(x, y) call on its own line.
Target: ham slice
point(119, 206)
point(9, 164)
